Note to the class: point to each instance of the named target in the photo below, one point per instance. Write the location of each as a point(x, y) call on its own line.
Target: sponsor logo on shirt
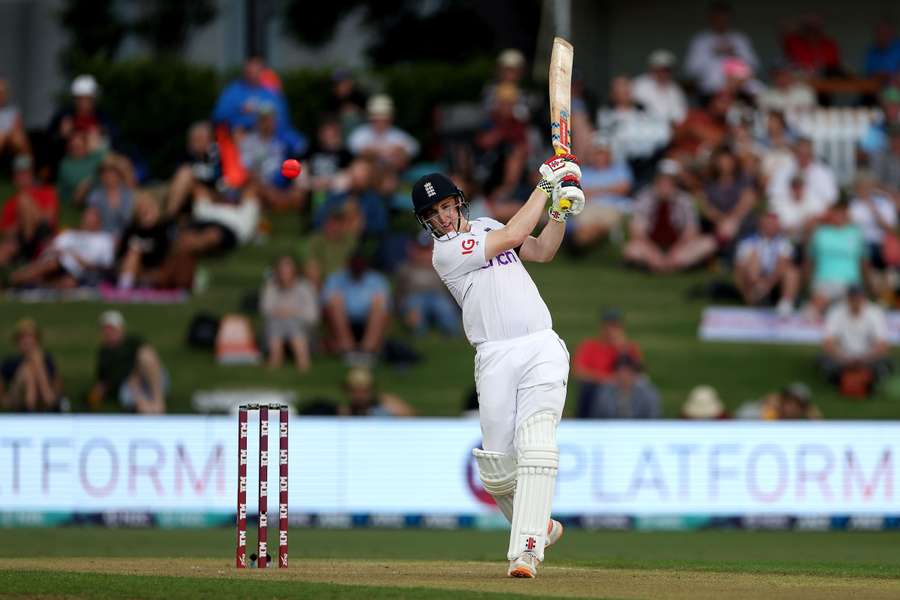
point(468, 246)
point(504, 258)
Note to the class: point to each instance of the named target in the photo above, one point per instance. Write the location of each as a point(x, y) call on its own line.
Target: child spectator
point(379, 138)
point(665, 232)
point(114, 196)
point(77, 170)
point(764, 270)
point(129, 370)
point(422, 296)
point(28, 218)
point(837, 256)
point(144, 249)
point(291, 312)
point(629, 394)
point(29, 379)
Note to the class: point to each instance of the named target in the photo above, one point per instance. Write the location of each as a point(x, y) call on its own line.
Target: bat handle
point(565, 203)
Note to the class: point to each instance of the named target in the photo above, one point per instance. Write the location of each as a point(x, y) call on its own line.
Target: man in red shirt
point(28, 217)
point(595, 358)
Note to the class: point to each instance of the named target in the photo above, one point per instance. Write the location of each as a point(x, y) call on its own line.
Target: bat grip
point(564, 203)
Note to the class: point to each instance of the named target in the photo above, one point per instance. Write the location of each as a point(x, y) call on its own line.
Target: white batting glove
point(554, 169)
point(567, 199)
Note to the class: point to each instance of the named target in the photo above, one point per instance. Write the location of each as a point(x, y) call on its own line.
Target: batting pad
point(498, 476)
point(538, 463)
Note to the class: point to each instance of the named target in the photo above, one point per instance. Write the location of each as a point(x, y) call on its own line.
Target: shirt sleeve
point(879, 324)
point(460, 255)
point(833, 323)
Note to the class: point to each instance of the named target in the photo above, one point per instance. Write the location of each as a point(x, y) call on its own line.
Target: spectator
point(362, 182)
point(29, 216)
point(595, 358)
point(364, 400)
point(129, 370)
point(703, 404)
point(874, 213)
point(422, 296)
point(78, 257)
point(81, 118)
point(348, 102)
point(238, 105)
point(29, 379)
point(855, 341)
point(77, 170)
point(775, 151)
point(710, 48)
point(502, 146)
point(328, 157)
point(886, 163)
point(797, 215)
point(665, 232)
point(875, 139)
point(629, 395)
point(788, 94)
point(727, 199)
point(144, 252)
point(819, 188)
point(794, 402)
point(357, 308)
point(380, 139)
point(658, 92)
point(511, 66)
point(114, 196)
point(200, 172)
point(218, 226)
point(606, 186)
point(291, 312)
point(764, 270)
point(807, 47)
point(637, 136)
point(704, 129)
point(328, 250)
point(13, 138)
point(883, 56)
point(262, 153)
point(837, 257)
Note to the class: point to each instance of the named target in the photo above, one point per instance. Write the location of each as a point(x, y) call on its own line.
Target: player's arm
point(544, 247)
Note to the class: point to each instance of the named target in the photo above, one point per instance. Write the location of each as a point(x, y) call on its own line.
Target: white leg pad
point(538, 463)
point(498, 476)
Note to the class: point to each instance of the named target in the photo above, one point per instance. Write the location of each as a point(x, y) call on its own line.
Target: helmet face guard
point(462, 210)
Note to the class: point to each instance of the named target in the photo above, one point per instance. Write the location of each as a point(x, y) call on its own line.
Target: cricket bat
point(561, 58)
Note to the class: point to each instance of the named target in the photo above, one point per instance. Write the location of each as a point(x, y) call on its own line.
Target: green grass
point(659, 316)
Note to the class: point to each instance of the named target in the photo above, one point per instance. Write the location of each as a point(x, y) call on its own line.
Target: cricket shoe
point(554, 532)
point(525, 566)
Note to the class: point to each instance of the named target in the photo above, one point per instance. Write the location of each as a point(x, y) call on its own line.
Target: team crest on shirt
point(468, 245)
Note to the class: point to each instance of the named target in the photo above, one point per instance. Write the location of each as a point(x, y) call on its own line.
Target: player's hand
point(568, 199)
point(554, 169)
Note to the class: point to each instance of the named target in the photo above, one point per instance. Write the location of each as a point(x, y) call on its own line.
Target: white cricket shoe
point(554, 532)
point(524, 566)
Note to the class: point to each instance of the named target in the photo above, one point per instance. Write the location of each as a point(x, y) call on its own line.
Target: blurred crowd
point(699, 162)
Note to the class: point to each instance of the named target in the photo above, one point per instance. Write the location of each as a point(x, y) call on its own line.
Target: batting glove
point(554, 169)
point(568, 199)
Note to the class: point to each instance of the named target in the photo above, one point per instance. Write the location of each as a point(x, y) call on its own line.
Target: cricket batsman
point(521, 364)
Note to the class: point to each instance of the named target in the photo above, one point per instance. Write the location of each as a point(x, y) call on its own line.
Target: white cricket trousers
point(515, 379)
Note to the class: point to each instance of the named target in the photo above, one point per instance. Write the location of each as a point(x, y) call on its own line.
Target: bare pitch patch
point(575, 582)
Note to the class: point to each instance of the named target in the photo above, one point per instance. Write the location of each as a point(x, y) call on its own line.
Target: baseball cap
point(380, 105)
point(511, 58)
point(661, 59)
point(112, 318)
point(84, 85)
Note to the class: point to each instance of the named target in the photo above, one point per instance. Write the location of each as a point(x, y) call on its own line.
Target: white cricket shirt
point(499, 300)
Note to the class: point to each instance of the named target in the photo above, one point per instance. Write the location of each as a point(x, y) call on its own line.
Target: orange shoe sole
point(522, 573)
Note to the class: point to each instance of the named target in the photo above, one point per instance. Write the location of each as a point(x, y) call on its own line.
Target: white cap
point(661, 59)
point(84, 85)
point(112, 318)
point(380, 105)
point(511, 58)
point(668, 166)
point(703, 403)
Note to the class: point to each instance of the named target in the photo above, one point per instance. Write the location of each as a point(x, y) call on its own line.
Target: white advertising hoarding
point(89, 464)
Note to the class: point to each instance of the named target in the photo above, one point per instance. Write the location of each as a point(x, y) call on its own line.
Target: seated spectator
point(113, 196)
point(798, 215)
point(361, 187)
point(380, 139)
point(75, 257)
point(291, 312)
point(883, 56)
point(81, 118)
point(794, 402)
point(238, 105)
point(837, 256)
point(875, 138)
point(422, 297)
point(200, 172)
point(658, 92)
point(630, 395)
point(595, 358)
point(703, 404)
point(357, 309)
point(218, 226)
point(129, 371)
point(788, 94)
point(347, 101)
point(77, 170)
point(29, 379)
point(819, 188)
point(775, 149)
point(262, 153)
point(665, 231)
point(28, 218)
point(144, 252)
point(13, 137)
point(875, 214)
point(885, 164)
point(637, 136)
point(502, 150)
point(855, 341)
point(764, 271)
point(328, 156)
point(708, 49)
point(704, 129)
point(727, 200)
point(510, 73)
point(606, 185)
point(807, 47)
point(328, 250)
point(364, 400)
